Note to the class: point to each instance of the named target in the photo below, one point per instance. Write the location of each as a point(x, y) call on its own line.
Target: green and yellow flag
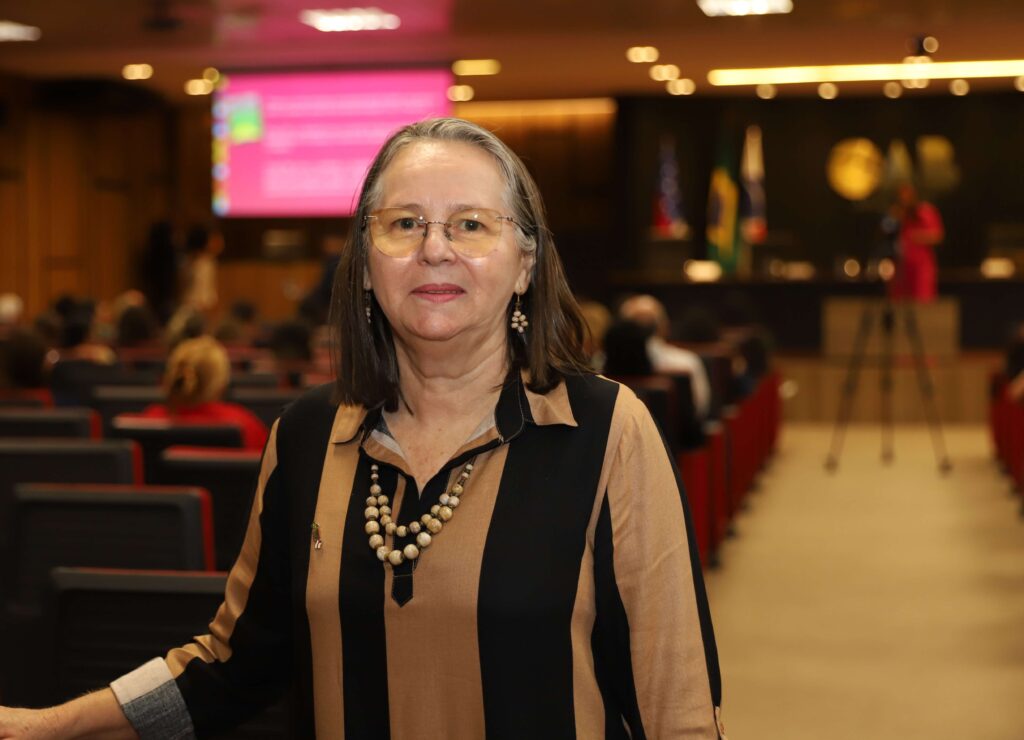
point(723, 232)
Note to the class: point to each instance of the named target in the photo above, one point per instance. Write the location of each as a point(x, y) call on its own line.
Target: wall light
point(1019, 83)
point(476, 67)
point(11, 31)
point(702, 271)
point(199, 87)
point(997, 268)
point(959, 87)
point(664, 72)
point(137, 71)
point(766, 92)
point(828, 91)
point(642, 54)
point(892, 89)
point(684, 86)
point(865, 73)
point(460, 93)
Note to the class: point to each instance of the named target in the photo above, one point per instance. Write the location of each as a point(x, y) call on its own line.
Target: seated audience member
point(625, 350)
point(198, 372)
point(11, 307)
point(186, 323)
point(23, 363)
point(137, 327)
point(1015, 364)
point(77, 340)
point(666, 358)
point(698, 325)
point(240, 327)
point(598, 319)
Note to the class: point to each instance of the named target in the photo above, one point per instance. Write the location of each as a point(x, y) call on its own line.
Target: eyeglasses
point(398, 232)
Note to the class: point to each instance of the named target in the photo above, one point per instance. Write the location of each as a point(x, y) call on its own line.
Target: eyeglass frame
point(422, 221)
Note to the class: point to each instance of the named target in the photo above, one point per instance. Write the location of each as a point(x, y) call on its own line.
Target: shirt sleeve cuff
point(151, 701)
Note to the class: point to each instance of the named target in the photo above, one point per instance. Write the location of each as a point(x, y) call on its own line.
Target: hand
point(29, 724)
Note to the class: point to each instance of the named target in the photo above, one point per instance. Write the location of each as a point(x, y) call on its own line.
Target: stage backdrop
point(967, 153)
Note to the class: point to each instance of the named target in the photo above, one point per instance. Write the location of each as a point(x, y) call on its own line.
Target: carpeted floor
point(880, 602)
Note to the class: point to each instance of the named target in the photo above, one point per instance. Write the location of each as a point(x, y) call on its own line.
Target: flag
point(668, 221)
point(753, 226)
point(723, 211)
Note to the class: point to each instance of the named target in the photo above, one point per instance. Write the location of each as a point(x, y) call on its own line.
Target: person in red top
point(920, 231)
point(197, 375)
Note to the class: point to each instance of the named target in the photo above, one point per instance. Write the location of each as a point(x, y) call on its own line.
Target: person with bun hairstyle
point(198, 373)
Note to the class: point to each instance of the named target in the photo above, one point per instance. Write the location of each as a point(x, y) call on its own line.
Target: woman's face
point(435, 293)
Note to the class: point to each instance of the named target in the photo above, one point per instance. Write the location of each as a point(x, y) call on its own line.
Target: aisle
point(883, 602)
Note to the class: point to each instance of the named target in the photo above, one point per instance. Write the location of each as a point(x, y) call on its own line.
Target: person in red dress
point(198, 372)
point(920, 231)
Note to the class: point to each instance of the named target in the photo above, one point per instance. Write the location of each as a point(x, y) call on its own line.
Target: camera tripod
point(885, 314)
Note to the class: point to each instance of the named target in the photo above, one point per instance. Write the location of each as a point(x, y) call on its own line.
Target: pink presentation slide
point(299, 144)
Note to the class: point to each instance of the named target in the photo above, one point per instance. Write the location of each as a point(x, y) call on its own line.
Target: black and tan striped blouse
point(563, 600)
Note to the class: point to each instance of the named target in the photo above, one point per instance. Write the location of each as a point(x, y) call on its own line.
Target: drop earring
point(369, 312)
point(519, 322)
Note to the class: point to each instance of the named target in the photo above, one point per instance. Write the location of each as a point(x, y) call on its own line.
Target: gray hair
point(521, 196)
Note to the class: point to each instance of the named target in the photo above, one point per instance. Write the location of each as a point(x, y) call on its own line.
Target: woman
point(481, 539)
point(197, 375)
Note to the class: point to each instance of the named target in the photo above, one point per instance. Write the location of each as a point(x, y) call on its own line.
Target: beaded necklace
point(380, 524)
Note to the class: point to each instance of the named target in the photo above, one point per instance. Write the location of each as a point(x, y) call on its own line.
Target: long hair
point(552, 346)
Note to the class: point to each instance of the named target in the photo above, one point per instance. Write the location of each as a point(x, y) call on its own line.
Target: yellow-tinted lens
point(475, 233)
point(396, 232)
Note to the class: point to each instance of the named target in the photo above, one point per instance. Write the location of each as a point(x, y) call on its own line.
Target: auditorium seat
point(266, 403)
point(107, 622)
point(41, 422)
point(156, 435)
point(88, 525)
point(111, 401)
point(62, 461)
point(105, 526)
point(254, 380)
point(658, 393)
point(26, 398)
point(72, 381)
point(230, 477)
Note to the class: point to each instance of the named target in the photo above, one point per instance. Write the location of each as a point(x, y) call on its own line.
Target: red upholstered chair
point(156, 435)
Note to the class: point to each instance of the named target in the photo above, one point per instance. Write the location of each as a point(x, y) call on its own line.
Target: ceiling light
point(476, 67)
point(865, 72)
point(766, 92)
point(350, 19)
point(959, 87)
point(664, 72)
point(11, 31)
point(460, 93)
point(137, 71)
point(892, 89)
point(642, 54)
point(685, 86)
point(744, 7)
point(930, 44)
point(828, 91)
point(199, 87)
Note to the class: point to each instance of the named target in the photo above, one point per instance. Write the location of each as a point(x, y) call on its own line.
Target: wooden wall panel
point(79, 187)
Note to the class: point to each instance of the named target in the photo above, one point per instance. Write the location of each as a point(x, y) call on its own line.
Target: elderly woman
point(469, 535)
